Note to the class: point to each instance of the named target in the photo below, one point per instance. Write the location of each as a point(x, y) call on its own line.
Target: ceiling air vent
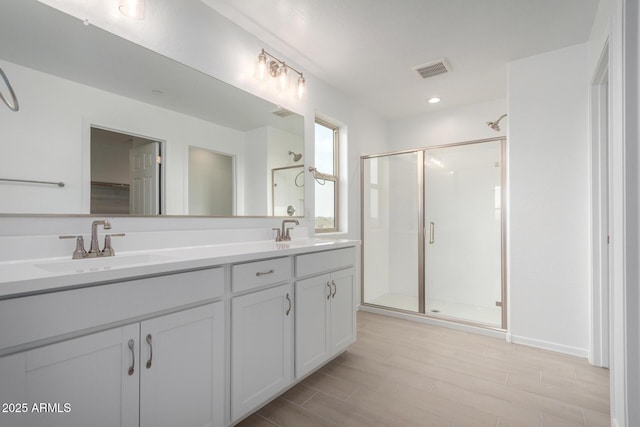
point(282, 112)
point(433, 68)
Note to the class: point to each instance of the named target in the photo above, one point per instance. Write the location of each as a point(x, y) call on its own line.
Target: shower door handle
point(432, 233)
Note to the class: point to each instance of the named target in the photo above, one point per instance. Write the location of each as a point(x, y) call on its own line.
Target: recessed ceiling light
point(434, 100)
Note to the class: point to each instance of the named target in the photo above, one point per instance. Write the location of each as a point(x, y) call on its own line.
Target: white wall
point(448, 126)
point(548, 259)
point(620, 21)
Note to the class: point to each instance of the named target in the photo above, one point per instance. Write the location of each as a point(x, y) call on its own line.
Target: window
point(326, 176)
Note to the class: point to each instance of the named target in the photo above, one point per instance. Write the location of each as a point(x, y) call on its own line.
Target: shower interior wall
point(392, 271)
point(463, 198)
point(397, 271)
point(460, 198)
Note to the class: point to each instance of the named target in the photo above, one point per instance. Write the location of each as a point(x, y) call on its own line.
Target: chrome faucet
point(284, 233)
point(94, 248)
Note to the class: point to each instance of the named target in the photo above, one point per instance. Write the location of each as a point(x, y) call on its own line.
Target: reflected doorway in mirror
point(126, 173)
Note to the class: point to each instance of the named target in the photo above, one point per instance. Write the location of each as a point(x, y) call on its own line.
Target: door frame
point(601, 180)
point(87, 124)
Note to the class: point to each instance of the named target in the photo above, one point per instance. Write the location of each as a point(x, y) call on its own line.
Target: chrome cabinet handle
point(288, 309)
point(264, 273)
point(335, 289)
point(432, 233)
point(150, 351)
point(329, 286)
point(133, 357)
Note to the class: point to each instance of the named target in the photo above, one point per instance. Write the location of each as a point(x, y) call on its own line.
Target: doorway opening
point(126, 174)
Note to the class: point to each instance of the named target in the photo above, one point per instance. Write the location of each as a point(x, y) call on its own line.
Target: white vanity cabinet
point(87, 378)
point(261, 334)
point(197, 342)
point(325, 308)
point(163, 370)
point(119, 376)
point(180, 367)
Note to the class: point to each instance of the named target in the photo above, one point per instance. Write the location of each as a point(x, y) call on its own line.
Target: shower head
point(496, 125)
point(296, 157)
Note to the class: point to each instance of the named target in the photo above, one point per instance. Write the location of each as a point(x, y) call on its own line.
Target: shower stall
point(433, 232)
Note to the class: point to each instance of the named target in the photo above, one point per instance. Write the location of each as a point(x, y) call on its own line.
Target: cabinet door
point(312, 343)
point(343, 321)
point(81, 382)
point(181, 368)
point(261, 347)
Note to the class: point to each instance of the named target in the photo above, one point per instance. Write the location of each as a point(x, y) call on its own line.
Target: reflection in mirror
point(68, 84)
point(288, 190)
point(125, 174)
point(210, 183)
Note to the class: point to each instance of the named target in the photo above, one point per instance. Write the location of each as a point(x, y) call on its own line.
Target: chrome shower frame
point(422, 313)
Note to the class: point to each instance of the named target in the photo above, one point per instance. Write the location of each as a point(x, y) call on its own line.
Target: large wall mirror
point(131, 132)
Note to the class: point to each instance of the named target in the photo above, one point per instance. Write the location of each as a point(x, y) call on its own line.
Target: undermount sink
point(99, 264)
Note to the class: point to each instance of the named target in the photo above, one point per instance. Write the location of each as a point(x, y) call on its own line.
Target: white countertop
point(25, 277)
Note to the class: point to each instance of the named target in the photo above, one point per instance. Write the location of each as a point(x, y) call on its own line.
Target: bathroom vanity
point(195, 336)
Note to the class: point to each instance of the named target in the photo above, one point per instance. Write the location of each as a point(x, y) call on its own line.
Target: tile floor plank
point(402, 373)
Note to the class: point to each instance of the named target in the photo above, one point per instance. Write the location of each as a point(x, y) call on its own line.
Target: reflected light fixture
point(268, 65)
point(132, 8)
point(433, 100)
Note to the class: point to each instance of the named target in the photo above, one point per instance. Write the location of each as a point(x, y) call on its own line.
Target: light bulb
point(132, 8)
point(302, 89)
point(283, 77)
point(261, 67)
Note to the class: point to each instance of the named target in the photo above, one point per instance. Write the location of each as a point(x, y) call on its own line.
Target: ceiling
point(368, 48)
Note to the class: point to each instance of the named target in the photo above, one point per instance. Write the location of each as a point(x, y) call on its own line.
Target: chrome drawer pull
point(264, 273)
point(432, 233)
point(133, 357)
point(150, 351)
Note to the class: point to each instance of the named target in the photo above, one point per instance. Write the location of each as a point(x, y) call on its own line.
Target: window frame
point(335, 178)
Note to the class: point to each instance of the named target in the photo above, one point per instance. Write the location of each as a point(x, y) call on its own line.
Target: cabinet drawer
point(39, 317)
point(252, 275)
point(320, 262)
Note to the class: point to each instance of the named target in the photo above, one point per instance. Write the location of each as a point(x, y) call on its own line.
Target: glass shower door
point(391, 189)
point(463, 232)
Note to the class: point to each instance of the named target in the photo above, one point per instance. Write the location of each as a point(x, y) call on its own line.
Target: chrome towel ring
point(15, 106)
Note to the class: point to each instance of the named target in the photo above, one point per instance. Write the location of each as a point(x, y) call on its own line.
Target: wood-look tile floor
point(402, 373)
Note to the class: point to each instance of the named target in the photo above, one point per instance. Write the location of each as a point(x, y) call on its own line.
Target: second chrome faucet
point(283, 234)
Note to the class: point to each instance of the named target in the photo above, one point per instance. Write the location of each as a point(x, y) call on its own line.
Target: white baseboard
point(545, 345)
point(510, 338)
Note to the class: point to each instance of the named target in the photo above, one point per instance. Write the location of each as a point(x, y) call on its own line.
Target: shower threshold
point(490, 316)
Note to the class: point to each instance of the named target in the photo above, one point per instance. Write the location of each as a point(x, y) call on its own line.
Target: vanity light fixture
point(132, 8)
point(268, 65)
